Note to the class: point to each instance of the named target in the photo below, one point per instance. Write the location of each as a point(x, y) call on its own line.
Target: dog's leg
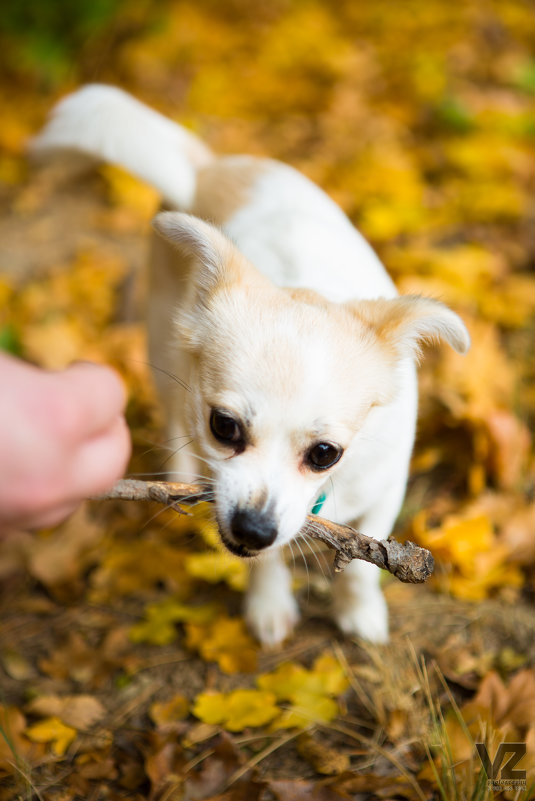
point(359, 607)
point(270, 608)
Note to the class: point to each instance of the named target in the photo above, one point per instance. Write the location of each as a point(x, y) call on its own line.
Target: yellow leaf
point(216, 566)
point(289, 679)
point(52, 730)
point(132, 568)
point(236, 710)
point(286, 680)
point(53, 344)
point(476, 562)
point(206, 527)
point(158, 627)
point(125, 190)
point(308, 691)
point(331, 674)
point(306, 708)
point(225, 641)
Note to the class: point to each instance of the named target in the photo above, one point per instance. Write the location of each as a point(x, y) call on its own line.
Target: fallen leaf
point(14, 746)
point(139, 566)
point(62, 556)
point(476, 563)
point(165, 714)
point(236, 710)
point(225, 641)
point(324, 759)
point(159, 626)
point(304, 710)
point(17, 666)
point(309, 692)
point(77, 711)
point(52, 730)
point(213, 566)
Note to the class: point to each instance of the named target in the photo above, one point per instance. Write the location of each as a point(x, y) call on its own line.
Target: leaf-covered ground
point(125, 667)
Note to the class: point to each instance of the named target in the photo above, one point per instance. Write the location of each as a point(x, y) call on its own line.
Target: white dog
point(298, 354)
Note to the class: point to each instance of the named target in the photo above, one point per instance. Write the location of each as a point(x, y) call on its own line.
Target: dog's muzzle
point(251, 531)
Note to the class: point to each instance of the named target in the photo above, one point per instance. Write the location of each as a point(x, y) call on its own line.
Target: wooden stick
point(407, 561)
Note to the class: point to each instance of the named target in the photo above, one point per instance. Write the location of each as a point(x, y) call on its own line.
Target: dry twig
point(407, 561)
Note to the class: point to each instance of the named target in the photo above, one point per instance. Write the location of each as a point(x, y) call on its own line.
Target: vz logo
point(499, 773)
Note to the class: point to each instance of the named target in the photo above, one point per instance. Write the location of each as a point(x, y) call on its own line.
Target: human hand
point(63, 438)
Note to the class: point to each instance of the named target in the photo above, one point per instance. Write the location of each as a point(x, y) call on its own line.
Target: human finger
point(102, 460)
point(93, 396)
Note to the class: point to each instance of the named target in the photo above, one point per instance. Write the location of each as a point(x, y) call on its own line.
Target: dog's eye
point(323, 455)
point(225, 428)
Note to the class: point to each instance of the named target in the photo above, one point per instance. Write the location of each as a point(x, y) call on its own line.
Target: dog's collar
point(320, 500)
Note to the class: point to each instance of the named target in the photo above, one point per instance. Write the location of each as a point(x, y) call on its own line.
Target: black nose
point(252, 529)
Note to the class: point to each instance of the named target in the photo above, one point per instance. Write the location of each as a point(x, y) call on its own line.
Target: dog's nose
point(252, 529)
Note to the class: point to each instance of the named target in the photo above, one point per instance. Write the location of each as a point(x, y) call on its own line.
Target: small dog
point(296, 353)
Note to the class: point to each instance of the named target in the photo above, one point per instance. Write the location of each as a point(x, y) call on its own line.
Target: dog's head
point(283, 380)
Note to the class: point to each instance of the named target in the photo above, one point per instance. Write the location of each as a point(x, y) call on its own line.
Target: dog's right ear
point(213, 265)
point(212, 253)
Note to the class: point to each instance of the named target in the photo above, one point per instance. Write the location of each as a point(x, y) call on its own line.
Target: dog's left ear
point(407, 322)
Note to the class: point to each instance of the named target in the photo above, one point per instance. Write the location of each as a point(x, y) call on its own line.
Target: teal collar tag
point(320, 500)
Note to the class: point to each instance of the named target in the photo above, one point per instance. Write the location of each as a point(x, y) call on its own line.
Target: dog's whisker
point(174, 452)
point(292, 553)
point(172, 376)
point(319, 561)
point(209, 462)
point(176, 474)
point(157, 514)
point(185, 477)
point(306, 566)
point(165, 446)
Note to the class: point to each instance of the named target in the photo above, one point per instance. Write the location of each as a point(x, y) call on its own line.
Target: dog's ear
point(405, 323)
point(211, 266)
point(214, 255)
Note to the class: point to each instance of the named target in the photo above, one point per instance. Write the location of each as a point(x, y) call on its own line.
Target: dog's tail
point(107, 124)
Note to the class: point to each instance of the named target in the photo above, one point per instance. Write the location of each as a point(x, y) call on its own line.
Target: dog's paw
point(363, 617)
point(271, 619)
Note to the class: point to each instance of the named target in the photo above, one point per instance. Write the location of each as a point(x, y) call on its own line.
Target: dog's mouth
point(236, 548)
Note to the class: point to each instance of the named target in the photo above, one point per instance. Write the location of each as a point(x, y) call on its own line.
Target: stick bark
point(408, 562)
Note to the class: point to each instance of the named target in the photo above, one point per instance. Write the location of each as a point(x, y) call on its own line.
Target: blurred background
point(418, 118)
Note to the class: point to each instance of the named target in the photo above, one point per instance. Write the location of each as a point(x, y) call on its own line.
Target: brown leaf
point(163, 765)
point(301, 790)
point(323, 758)
point(87, 664)
point(214, 773)
point(14, 746)
point(17, 666)
point(512, 705)
point(510, 445)
point(517, 534)
point(79, 711)
point(61, 558)
point(167, 715)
